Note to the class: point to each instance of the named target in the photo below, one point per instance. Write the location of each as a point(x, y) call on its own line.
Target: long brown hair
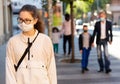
point(35, 14)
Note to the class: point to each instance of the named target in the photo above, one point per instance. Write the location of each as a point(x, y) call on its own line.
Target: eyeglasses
point(26, 21)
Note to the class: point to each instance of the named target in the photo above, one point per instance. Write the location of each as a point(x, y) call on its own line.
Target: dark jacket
point(97, 31)
point(80, 41)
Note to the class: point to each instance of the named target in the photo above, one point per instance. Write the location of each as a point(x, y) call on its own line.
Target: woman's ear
point(35, 20)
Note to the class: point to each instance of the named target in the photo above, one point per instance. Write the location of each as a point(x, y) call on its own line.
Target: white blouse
point(40, 69)
point(66, 28)
point(55, 37)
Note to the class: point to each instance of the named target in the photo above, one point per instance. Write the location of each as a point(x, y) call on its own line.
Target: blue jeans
point(85, 56)
point(106, 63)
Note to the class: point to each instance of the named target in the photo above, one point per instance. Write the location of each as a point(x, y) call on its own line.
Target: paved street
point(70, 73)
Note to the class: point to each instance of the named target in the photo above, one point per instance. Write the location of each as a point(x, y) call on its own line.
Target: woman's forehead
point(25, 14)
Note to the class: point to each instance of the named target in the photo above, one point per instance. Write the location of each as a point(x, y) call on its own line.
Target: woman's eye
point(27, 20)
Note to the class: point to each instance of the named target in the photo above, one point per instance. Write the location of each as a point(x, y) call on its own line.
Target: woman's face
point(26, 17)
point(26, 21)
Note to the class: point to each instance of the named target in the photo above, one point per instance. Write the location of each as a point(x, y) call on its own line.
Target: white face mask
point(25, 27)
point(102, 19)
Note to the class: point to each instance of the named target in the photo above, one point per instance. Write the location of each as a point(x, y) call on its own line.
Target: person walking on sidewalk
point(103, 33)
point(85, 47)
point(67, 35)
point(30, 57)
point(55, 39)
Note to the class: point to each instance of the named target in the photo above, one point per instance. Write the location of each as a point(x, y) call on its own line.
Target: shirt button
point(43, 66)
point(32, 56)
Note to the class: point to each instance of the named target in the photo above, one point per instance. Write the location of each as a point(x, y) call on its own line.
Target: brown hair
point(35, 14)
point(55, 28)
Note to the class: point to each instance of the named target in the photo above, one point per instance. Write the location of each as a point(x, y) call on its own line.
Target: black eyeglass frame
point(26, 21)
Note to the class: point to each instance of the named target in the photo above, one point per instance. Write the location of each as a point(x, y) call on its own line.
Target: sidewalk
point(70, 73)
point(2, 64)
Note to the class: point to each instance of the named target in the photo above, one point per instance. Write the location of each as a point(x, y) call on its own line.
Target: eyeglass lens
point(26, 21)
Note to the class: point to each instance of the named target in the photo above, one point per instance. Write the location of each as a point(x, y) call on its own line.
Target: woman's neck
point(29, 33)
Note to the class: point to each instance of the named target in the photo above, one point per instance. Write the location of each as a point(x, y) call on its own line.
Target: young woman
point(37, 66)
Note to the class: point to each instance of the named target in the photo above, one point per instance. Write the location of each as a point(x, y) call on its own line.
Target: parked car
point(79, 22)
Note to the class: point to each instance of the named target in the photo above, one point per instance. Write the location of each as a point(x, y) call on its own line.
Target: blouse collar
point(25, 38)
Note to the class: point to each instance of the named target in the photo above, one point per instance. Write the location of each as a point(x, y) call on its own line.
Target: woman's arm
point(51, 66)
point(10, 71)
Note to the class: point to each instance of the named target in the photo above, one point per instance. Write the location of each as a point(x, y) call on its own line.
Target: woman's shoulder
point(46, 40)
point(44, 36)
point(15, 37)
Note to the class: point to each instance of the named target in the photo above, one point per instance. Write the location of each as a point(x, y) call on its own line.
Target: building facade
point(5, 20)
point(115, 8)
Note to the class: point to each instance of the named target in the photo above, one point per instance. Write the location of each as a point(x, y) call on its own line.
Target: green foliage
point(80, 7)
point(67, 1)
point(101, 4)
point(84, 6)
point(45, 4)
point(88, 0)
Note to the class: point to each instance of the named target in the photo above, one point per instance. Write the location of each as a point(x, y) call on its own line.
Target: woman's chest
point(34, 53)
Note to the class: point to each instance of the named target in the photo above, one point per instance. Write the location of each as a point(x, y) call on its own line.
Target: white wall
point(5, 21)
point(1, 19)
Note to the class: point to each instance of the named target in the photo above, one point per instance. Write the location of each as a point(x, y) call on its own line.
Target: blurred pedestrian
point(103, 33)
point(55, 39)
point(30, 57)
point(85, 47)
point(67, 34)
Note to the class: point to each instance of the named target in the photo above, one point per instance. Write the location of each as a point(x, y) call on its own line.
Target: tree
point(48, 7)
point(101, 4)
point(70, 2)
point(85, 6)
point(80, 7)
point(72, 41)
point(45, 3)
